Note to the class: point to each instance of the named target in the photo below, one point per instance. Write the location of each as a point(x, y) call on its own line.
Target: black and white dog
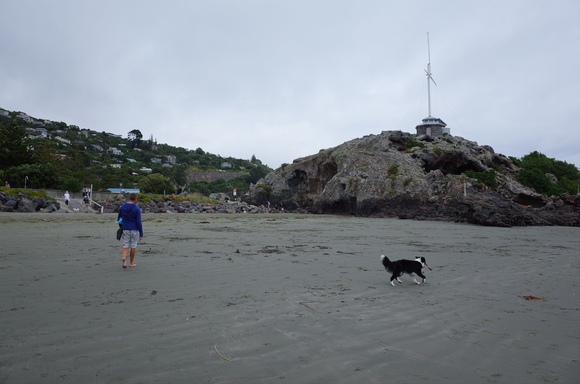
point(400, 267)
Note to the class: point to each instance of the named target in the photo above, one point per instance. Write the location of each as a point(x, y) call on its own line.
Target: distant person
point(66, 197)
point(84, 191)
point(132, 228)
point(7, 184)
point(86, 202)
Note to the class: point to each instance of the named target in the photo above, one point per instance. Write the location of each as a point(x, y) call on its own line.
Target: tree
point(44, 153)
point(14, 146)
point(72, 184)
point(156, 183)
point(136, 137)
point(256, 173)
point(201, 187)
point(34, 176)
point(266, 189)
point(179, 175)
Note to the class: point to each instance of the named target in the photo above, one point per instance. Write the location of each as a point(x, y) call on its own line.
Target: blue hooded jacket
point(132, 217)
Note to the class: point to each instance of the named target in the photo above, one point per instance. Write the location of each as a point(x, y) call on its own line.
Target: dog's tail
point(386, 263)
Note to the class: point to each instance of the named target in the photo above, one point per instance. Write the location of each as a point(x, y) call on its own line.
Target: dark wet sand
point(285, 299)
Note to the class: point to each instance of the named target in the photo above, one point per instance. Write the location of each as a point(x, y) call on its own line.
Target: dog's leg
point(421, 275)
point(400, 282)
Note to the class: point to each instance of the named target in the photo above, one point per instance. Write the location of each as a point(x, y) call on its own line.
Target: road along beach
point(286, 298)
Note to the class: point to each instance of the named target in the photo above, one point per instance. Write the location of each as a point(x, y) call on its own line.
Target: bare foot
point(124, 264)
point(133, 265)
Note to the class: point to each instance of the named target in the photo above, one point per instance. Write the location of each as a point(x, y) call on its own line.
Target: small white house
point(115, 151)
point(63, 140)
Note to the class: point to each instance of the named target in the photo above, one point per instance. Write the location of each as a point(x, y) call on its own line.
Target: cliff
point(397, 174)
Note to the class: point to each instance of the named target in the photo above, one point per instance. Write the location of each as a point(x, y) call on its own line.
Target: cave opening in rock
point(327, 172)
point(452, 163)
point(297, 178)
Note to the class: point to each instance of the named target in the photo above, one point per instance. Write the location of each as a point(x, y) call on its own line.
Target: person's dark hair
point(133, 197)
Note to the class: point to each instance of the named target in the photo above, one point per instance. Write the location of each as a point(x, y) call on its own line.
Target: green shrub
point(393, 171)
point(533, 169)
point(412, 142)
point(198, 197)
point(485, 177)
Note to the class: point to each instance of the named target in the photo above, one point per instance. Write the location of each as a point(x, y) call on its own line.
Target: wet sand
point(285, 299)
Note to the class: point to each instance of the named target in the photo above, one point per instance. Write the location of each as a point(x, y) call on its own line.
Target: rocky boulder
point(25, 205)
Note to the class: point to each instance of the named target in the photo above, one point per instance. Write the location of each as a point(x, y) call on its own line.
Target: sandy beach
point(286, 298)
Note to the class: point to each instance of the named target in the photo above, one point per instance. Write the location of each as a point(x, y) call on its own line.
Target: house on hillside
point(171, 159)
point(115, 151)
point(63, 140)
point(25, 117)
point(43, 133)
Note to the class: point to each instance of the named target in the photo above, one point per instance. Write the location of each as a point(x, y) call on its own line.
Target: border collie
point(400, 267)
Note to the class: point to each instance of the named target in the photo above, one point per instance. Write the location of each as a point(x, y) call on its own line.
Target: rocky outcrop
point(22, 203)
point(397, 174)
point(172, 205)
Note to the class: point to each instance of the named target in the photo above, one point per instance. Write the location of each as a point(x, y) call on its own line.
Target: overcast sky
point(284, 79)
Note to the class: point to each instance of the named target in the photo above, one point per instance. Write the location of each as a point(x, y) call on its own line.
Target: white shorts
point(130, 238)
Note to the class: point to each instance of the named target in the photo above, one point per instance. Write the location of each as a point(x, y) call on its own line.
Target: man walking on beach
point(132, 228)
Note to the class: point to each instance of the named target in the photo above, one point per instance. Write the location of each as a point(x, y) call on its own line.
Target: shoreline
point(230, 298)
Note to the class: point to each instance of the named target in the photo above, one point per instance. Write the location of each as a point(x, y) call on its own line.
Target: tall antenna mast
point(431, 126)
point(429, 77)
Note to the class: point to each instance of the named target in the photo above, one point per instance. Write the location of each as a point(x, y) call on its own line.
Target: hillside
point(57, 155)
point(396, 174)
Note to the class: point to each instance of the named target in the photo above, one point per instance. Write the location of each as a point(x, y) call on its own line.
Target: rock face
point(397, 174)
